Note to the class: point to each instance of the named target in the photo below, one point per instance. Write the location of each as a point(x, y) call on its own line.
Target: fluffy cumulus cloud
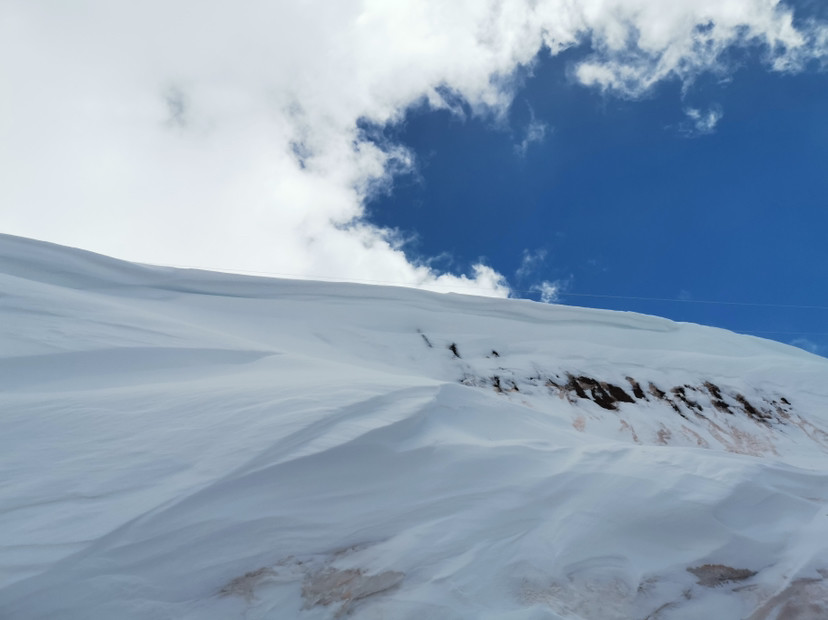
point(228, 135)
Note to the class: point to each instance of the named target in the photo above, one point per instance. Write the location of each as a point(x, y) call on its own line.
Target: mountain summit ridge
point(188, 444)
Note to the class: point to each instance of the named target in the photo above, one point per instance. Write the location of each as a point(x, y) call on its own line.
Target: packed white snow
point(191, 445)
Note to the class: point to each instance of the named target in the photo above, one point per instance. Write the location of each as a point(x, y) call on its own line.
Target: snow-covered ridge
point(184, 444)
point(711, 415)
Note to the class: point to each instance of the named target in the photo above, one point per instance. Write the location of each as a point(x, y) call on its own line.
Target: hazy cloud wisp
point(701, 122)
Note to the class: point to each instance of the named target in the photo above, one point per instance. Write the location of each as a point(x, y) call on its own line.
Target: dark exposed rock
point(573, 385)
point(663, 396)
point(617, 393)
point(681, 393)
point(636, 388)
point(656, 392)
point(552, 384)
point(605, 395)
point(682, 399)
point(712, 575)
point(716, 397)
point(753, 412)
point(715, 390)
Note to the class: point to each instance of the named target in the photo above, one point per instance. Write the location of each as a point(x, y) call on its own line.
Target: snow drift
point(184, 444)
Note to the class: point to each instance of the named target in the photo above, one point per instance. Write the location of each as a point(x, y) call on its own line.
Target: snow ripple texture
point(192, 445)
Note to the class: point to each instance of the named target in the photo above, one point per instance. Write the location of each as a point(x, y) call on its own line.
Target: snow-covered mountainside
point(192, 445)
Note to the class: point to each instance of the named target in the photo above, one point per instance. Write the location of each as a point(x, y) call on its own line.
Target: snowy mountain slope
point(181, 444)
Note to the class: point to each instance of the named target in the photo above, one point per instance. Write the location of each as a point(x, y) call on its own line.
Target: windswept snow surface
point(192, 445)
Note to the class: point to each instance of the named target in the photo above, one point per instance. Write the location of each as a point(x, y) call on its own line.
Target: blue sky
point(600, 150)
point(627, 198)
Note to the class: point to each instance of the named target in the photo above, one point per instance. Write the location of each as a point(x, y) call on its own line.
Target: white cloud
point(535, 131)
point(530, 263)
point(549, 291)
point(701, 122)
point(641, 42)
point(220, 134)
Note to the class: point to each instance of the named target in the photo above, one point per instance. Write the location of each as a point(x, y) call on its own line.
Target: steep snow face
point(180, 444)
